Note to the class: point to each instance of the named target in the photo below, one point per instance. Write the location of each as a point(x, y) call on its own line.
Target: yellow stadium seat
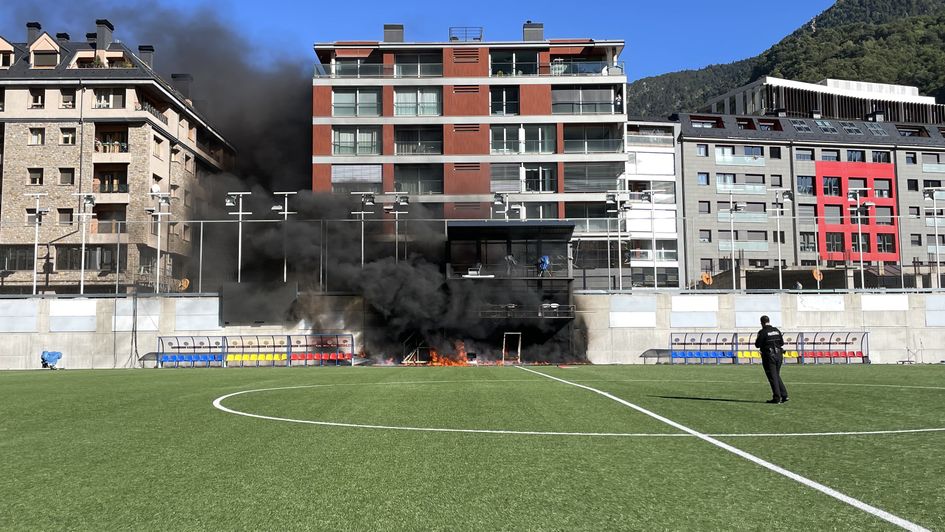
point(283, 356)
point(756, 354)
point(251, 358)
point(792, 354)
point(230, 358)
point(269, 357)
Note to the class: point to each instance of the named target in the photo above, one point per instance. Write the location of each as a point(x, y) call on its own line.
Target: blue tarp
point(51, 357)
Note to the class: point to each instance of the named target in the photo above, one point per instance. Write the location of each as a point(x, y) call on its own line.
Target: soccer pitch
point(510, 448)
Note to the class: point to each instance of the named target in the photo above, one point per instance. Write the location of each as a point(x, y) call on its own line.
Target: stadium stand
point(255, 351)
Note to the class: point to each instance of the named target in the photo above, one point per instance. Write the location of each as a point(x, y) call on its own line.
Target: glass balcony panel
point(744, 217)
point(739, 160)
point(741, 188)
point(726, 245)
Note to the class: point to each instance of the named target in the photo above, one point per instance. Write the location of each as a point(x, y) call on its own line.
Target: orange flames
point(457, 359)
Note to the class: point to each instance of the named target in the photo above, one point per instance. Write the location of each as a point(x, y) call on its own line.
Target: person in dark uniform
point(771, 343)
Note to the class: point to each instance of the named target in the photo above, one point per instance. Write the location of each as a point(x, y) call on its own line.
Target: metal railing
point(353, 109)
point(583, 108)
point(558, 67)
point(593, 146)
point(744, 217)
point(650, 140)
point(419, 186)
point(355, 148)
point(514, 147)
point(112, 188)
point(111, 146)
point(105, 227)
point(739, 160)
point(740, 188)
point(378, 70)
point(417, 109)
point(145, 106)
point(466, 33)
point(662, 255)
point(726, 245)
point(418, 148)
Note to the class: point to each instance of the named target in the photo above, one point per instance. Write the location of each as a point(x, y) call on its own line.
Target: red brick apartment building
point(451, 124)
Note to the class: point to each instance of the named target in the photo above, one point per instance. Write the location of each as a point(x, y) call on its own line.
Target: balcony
point(941, 249)
point(932, 222)
point(145, 106)
point(376, 70)
point(594, 225)
point(726, 245)
point(932, 168)
point(108, 145)
point(514, 147)
point(594, 146)
point(739, 160)
point(650, 140)
point(662, 255)
point(744, 217)
point(559, 67)
point(427, 147)
point(355, 148)
point(741, 188)
point(419, 186)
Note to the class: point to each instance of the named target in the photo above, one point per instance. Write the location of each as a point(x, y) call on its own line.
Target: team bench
point(821, 347)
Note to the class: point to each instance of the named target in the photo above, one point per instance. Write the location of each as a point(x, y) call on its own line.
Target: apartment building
point(837, 99)
point(851, 185)
point(452, 123)
point(109, 152)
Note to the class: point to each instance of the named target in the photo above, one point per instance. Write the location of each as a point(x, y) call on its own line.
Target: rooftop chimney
point(33, 30)
point(393, 33)
point(815, 114)
point(533, 31)
point(62, 37)
point(146, 54)
point(182, 82)
point(103, 34)
point(90, 37)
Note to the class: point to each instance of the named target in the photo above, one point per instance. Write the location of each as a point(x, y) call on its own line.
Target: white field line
point(856, 503)
point(218, 404)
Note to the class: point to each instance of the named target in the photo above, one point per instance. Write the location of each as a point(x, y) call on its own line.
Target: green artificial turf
point(146, 450)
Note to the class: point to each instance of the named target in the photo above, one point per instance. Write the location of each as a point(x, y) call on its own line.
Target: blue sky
point(661, 36)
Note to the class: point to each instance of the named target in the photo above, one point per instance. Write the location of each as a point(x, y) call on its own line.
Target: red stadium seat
point(839, 354)
point(859, 354)
point(309, 356)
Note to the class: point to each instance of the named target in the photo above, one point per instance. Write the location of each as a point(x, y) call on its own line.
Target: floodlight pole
point(36, 221)
point(731, 222)
point(161, 198)
point(88, 200)
point(932, 193)
point(231, 196)
point(853, 194)
point(782, 196)
point(285, 220)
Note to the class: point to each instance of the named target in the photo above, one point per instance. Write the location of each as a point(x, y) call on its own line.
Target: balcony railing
point(741, 188)
point(594, 225)
point(932, 168)
point(513, 147)
point(932, 222)
point(112, 227)
point(418, 148)
point(726, 245)
point(559, 67)
point(583, 108)
point(417, 109)
point(376, 70)
point(352, 109)
point(739, 160)
point(419, 186)
point(594, 146)
point(662, 255)
point(744, 217)
point(650, 140)
point(145, 106)
point(355, 148)
point(110, 146)
point(112, 188)
point(941, 249)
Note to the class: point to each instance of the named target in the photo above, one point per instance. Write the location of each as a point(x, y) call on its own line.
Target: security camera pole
point(38, 215)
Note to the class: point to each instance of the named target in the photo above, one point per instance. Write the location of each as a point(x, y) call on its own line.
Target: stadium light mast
point(853, 195)
point(235, 199)
point(88, 201)
point(781, 196)
point(931, 194)
point(283, 210)
point(38, 213)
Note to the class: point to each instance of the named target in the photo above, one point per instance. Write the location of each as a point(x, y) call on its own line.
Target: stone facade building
point(91, 134)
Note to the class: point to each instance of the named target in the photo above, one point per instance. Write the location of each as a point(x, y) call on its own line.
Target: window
point(745, 123)
point(109, 99)
point(591, 177)
point(758, 236)
point(805, 185)
point(884, 216)
point(705, 265)
point(833, 214)
point(915, 240)
point(37, 136)
point(910, 157)
point(583, 99)
point(831, 186)
point(703, 124)
point(419, 101)
point(702, 150)
point(35, 176)
point(911, 131)
point(881, 157)
point(725, 179)
point(850, 128)
point(157, 147)
point(754, 151)
point(859, 215)
point(860, 241)
point(776, 180)
point(914, 211)
point(67, 98)
point(37, 98)
point(757, 179)
point(931, 183)
point(6, 59)
point(912, 184)
point(417, 140)
point(808, 242)
point(774, 152)
point(508, 177)
point(702, 178)
point(765, 124)
point(855, 183)
point(31, 217)
point(503, 101)
point(804, 154)
point(350, 140)
point(826, 127)
point(834, 242)
point(876, 129)
point(67, 176)
point(13, 258)
point(514, 62)
point(882, 188)
point(779, 238)
point(67, 136)
point(705, 207)
point(2, 98)
point(830, 155)
point(65, 216)
point(45, 59)
point(856, 156)
point(705, 236)
point(356, 102)
point(418, 65)
point(800, 126)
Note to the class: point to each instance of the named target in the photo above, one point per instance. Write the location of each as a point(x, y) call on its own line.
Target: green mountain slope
point(884, 41)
